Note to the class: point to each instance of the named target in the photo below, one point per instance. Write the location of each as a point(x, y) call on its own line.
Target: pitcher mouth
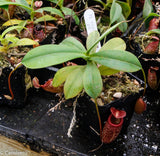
point(112, 124)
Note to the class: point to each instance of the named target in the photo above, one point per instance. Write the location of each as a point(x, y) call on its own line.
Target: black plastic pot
point(87, 115)
point(17, 85)
point(147, 60)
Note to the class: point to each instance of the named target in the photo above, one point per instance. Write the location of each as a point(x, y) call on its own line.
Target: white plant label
point(91, 25)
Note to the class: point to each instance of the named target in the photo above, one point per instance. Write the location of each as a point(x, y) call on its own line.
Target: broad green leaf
point(62, 74)
point(3, 49)
point(153, 31)
point(91, 40)
point(22, 24)
point(149, 17)
point(70, 12)
point(45, 18)
point(26, 41)
point(129, 2)
point(23, 2)
point(12, 39)
point(60, 3)
point(126, 9)
point(92, 80)
point(104, 35)
point(5, 7)
point(47, 55)
point(118, 60)
point(115, 43)
point(25, 5)
point(73, 42)
point(74, 83)
point(12, 22)
point(123, 27)
point(18, 3)
point(107, 71)
point(147, 8)
point(51, 10)
point(10, 29)
point(115, 12)
point(4, 42)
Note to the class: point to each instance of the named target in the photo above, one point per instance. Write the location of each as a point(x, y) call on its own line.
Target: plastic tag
point(91, 25)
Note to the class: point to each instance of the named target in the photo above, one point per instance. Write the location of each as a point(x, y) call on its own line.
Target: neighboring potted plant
point(9, 46)
point(144, 43)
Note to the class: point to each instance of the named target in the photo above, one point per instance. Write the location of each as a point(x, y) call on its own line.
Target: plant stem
point(9, 81)
point(145, 81)
point(99, 118)
point(103, 35)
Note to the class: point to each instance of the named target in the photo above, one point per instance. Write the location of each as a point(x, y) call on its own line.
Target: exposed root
point(73, 121)
point(96, 148)
point(57, 106)
point(94, 130)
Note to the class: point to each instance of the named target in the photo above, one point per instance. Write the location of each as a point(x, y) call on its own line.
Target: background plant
point(10, 40)
point(118, 11)
point(32, 11)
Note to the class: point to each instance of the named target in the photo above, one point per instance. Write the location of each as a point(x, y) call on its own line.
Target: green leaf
point(126, 9)
point(22, 26)
point(12, 22)
point(115, 12)
point(10, 29)
point(5, 7)
point(153, 31)
point(123, 27)
point(47, 55)
point(45, 18)
point(23, 2)
point(70, 12)
point(62, 74)
point(74, 83)
point(104, 35)
point(129, 2)
point(118, 60)
point(3, 49)
point(73, 42)
point(149, 17)
point(26, 41)
point(107, 71)
point(92, 80)
point(11, 38)
point(147, 8)
point(51, 10)
point(91, 40)
point(18, 3)
point(115, 43)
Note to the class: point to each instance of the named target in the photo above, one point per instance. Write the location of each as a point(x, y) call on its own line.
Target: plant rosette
point(110, 59)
